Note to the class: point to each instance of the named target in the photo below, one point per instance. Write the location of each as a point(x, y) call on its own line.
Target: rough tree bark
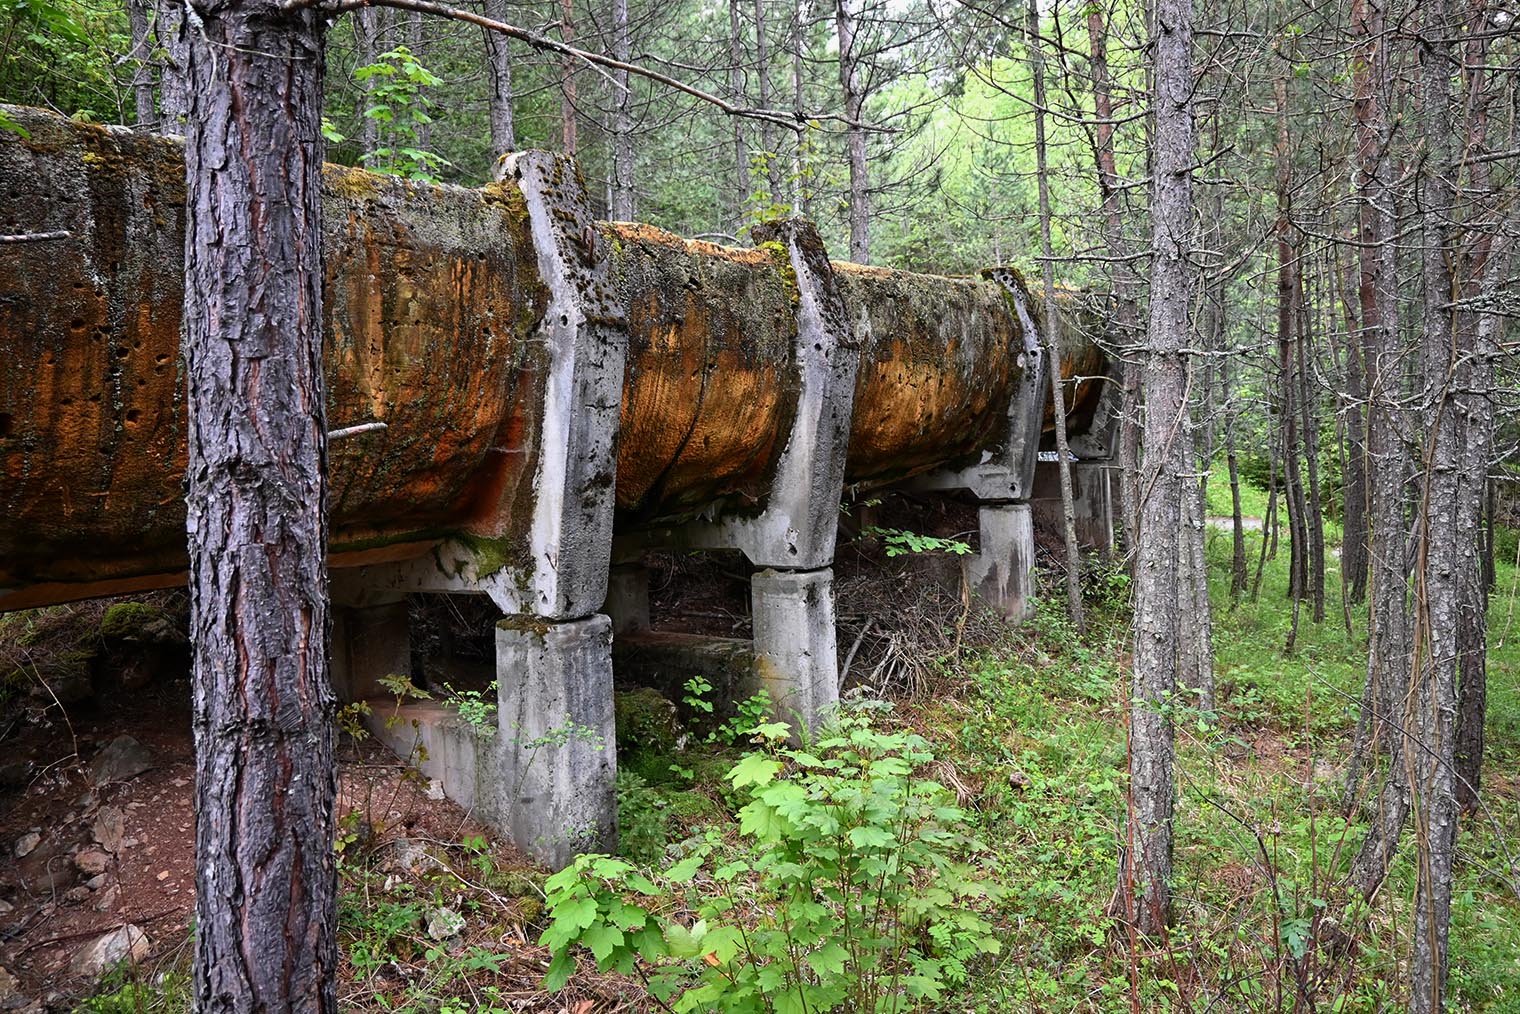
point(1388, 625)
point(621, 205)
point(1051, 326)
point(855, 135)
point(1119, 282)
point(1288, 296)
point(1446, 546)
point(263, 707)
point(1157, 609)
point(736, 95)
point(173, 88)
point(145, 115)
point(1314, 513)
point(499, 87)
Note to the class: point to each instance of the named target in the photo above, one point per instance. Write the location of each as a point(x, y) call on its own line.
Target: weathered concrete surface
point(432, 294)
point(556, 760)
point(1001, 572)
point(1091, 501)
point(939, 365)
point(796, 654)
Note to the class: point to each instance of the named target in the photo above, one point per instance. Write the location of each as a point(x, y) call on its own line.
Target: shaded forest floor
point(1028, 729)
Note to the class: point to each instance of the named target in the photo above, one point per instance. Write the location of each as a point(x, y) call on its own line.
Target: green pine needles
point(855, 887)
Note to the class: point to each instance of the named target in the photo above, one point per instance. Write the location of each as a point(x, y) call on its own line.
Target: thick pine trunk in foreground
point(1165, 462)
point(263, 706)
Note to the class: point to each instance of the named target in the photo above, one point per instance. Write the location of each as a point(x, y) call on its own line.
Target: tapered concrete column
point(796, 654)
point(1002, 572)
point(556, 760)
point(369, 643)
point(628, 598)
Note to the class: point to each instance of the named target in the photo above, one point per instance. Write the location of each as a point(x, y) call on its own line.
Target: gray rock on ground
point(122, 759)
point(105, 952)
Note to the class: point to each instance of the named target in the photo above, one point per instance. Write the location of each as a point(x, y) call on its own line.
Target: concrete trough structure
point(559, 395)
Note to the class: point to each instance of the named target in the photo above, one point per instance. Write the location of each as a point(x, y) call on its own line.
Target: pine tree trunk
point(173, 86)
point(1165, 462)
point(499, 85)
point(736, 94)
point(773, 175)
point(1314, 513)
point(256, 513)
point(1119, 282)
point(855, 136)
point(568, 102)
point(1051, 326)
point(622, 209)
point(145, 115)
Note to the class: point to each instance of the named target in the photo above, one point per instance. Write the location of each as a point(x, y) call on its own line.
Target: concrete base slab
point(1002, 572)
point(796, 652)
point(544, 775)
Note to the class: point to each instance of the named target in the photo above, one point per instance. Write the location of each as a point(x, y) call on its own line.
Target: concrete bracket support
point(568, 538)
point(1007, 473)
point(551, 786)
point(797, 527)
point(1002, 572)
point(796, 651)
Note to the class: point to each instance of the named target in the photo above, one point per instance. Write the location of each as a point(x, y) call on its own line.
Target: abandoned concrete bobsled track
point(558, 395)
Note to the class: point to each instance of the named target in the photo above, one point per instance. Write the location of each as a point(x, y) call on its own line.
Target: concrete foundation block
point(796, 650)
point(369, 643)
point(556, 756)
point(430, 737)
point(1002, 573)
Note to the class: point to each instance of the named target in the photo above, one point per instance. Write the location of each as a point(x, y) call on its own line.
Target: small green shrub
point(854, 890)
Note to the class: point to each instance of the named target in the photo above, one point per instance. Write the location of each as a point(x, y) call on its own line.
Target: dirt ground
point(83, 855)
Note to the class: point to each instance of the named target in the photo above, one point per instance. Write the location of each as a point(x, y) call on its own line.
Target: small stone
point(127, 843)
point(92, 862)
point(1018, 780)
point(444, 922)
point(108, 899)
point(163, 874)
point(75, 895)
point(6, 908)
point(122, 759)
point(434, 789)
point(96, 883)
point(110, 829)
point(126, 943)
point(27, 844)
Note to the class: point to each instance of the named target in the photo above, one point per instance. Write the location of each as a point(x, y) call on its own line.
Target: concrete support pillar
point(1002, 573)
point(628, 598)
point(369, 643)
point(796, 654)
point(556, 748)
